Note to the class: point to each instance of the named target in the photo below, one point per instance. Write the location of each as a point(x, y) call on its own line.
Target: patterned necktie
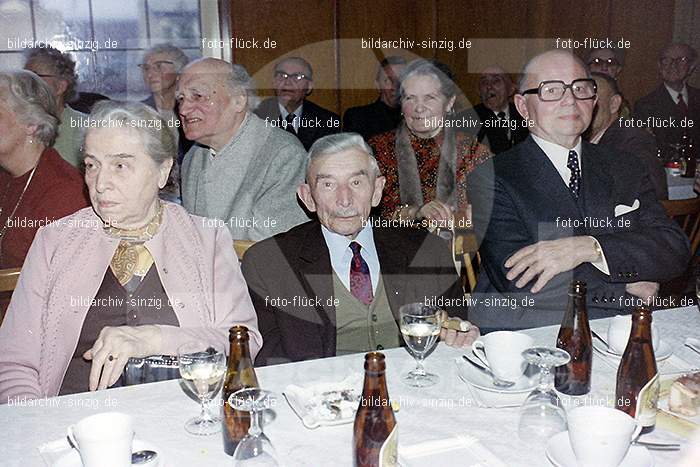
point(501, 115)
point(575, 180)
point(682, 106)
point(289, 124)
point(360, 280)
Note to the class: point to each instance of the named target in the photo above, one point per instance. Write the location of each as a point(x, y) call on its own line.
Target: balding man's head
point(495, 88)
point(561, 120)
point(214, 97)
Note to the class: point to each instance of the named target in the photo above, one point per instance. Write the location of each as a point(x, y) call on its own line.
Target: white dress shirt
point(297, 115)
point(341, 254)
point(559, 156)
point(674, 94)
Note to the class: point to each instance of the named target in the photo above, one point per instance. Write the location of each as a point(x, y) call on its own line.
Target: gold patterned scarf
point(132, 258)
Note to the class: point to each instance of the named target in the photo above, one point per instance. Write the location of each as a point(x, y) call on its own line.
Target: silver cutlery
point(498, 382)
point(141, 457)
point(597, 336)
point(693, 344)
point(654, 445)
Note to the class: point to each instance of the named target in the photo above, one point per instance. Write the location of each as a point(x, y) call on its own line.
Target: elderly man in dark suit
point(335, 285)
point(673, 101)
point(291, 110)
point(502, 127)
point(610, 130)
point(555, 209)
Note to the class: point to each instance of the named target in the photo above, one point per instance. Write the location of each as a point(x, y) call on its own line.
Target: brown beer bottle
point(637, 390)
point(574, 378)
point(240, 374)
point(375, 435)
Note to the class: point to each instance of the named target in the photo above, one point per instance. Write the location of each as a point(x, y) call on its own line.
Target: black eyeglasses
point(295, 77)
point(604, 61)
point(666, 61)
point(548, 91)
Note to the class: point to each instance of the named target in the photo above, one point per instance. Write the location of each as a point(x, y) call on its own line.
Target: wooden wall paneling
point(303, 28)
point(648, 25)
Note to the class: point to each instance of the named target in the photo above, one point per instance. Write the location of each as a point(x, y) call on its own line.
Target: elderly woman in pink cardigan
point(132, 276)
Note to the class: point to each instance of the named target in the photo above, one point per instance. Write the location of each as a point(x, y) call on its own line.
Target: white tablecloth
point(680, 187)
point(161, 409)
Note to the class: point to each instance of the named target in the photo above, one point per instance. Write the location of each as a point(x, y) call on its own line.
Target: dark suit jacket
point(316, 122)
point(660, 104)
point(183, 144)
point(372, 119)
point(640, 143)
point(520, 199)
point(414, 265)
point(495, 136)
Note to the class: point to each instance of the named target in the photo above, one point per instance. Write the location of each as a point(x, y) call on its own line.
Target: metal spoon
point(141, 457)
point(498, 382)
point(693, 344)
point(658, 446)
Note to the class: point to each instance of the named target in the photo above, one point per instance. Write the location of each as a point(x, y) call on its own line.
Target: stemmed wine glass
point(542, 415)
point(255, 449)
point(420, 327)
point(202, 368)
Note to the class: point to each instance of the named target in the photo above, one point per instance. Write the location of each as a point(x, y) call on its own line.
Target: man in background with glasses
point(555, 209)
point(673, 101)
point(290, 110)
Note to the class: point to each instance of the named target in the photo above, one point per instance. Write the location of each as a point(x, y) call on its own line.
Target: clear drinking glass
point(420, 328)
point(255, 449)
point(542, 414)
point(202, 368)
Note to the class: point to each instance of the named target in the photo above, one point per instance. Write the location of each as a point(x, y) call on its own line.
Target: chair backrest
point(8, 279)
point(466, 250)
point(241, 246)
point(687, 213)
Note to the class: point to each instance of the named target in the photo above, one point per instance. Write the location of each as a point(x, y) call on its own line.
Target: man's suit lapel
point(316, 276)
point(597, 183)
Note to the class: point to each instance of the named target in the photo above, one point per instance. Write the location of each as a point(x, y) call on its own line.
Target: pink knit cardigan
point(63, 272)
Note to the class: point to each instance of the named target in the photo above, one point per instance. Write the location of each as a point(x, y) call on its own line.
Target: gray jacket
point(250, 184)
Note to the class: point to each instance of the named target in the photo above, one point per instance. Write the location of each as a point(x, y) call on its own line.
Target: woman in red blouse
point(425, 161)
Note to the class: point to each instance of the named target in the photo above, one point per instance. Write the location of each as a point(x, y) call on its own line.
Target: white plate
point(479, 379)
point(559, 453)
point(72, 459)
point(664, 351)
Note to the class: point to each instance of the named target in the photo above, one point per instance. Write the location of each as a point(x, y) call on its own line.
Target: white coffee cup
point(600, 436)
point(502, 353)
point(619, 331)
point(104, 439)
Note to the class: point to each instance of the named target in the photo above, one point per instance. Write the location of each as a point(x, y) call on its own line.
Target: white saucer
point(72, 459)
point(479, 379)
point(559, 453)
point(662, 353)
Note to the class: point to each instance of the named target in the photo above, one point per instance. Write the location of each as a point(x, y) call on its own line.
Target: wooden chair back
point(466, 250)
point(241, 246)
point(687, 213)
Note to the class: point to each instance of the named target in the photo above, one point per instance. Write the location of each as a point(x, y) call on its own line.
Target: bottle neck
point(240, 353)
point(641, 328)
point(575, 308)
point(375, 385)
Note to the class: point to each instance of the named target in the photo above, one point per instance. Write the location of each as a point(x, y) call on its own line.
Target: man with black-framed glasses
point(556, 208)
point(290, 109)
point(673, 101)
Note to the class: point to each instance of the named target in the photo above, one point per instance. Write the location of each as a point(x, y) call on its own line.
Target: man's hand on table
point(458, 339)
point(548, 258)
point(113, 348)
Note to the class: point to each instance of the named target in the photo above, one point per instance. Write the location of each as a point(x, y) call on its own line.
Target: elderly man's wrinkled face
point(494, 90)
point(604, 61)
point(388, 84)
point(675, 64)
point(342, 190)
point(563, 121)
point(207, 107)
point(159, 72)
point(424, 106)
point(292, 83)
point(122, 179)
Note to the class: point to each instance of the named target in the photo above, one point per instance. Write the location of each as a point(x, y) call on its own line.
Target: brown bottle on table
point(574, 378)
point(375, 435)
point(637, 390)
point(240, 374)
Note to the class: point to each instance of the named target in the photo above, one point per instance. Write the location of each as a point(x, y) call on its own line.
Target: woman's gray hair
point(437, 70)
point(32, 102)
point(157, 139)
point(339, 142)
point(179, 58)
point(63, 67)
point(240, 79)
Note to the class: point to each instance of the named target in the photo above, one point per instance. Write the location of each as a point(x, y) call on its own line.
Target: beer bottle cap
point(577, 288)
point(374, 362)
point(238, 332)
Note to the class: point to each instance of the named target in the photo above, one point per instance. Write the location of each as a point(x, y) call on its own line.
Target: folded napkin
point(53, 451)
point(459, 450)
point(326, 403)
